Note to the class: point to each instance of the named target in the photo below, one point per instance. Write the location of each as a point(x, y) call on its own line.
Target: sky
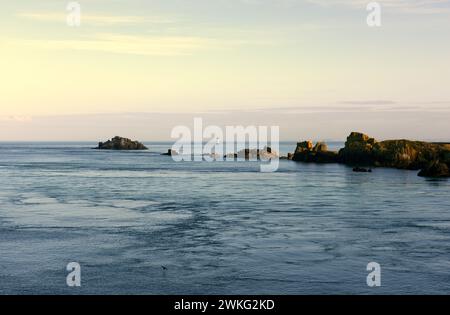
point(141, 67)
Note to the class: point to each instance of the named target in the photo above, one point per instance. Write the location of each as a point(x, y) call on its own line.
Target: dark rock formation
point(361, 150)
point(362, 170)
point(231, 155)
point(119, 143)
point(320, 147)
point(288, 157)
point(305, 152)
point(358, 150)
point(170, 152)
point(435, 169)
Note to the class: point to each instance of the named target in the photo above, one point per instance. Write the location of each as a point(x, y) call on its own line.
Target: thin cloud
point(106, 20)
point(352, 107)
point(17, 118)
point(369, 102)
point(403, 6)
point(124, 44)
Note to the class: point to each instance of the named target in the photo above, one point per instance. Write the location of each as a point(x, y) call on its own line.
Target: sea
point(138, 222)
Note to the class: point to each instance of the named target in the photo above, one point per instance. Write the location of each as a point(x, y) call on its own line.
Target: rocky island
point(119, 143)
point(433, 159)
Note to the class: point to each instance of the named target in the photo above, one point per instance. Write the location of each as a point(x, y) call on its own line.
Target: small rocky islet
point(119, 143)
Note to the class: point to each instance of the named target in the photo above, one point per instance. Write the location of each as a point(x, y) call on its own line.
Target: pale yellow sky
point(177, 56)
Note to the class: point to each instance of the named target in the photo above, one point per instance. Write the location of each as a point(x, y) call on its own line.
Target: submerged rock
point(119, 143)
point(362, 170)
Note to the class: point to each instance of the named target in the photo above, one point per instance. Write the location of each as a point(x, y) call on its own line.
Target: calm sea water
point(219, 228)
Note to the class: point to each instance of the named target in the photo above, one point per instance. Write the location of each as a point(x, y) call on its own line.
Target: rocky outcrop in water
point(119, 143)
point(436, 169)
point(289, 156)
point(306, 152)
point(254, 154)
point(357, 150)
point(361, 150)
point(362, 170)
point(170, 152)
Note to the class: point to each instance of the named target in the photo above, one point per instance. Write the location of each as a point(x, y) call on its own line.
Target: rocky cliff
point(361, 150)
